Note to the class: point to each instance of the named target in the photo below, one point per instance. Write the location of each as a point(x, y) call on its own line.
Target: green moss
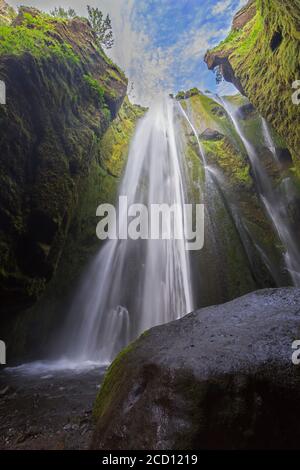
point(115, 142)
point(267, 74)
point(112, 379)
point(95, 87)
point(34, 36)
point(98, 184)
point(233, 164)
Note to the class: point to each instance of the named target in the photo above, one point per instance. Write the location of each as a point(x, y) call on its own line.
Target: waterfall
point(133, 285)
point(275, 202)
point(268, 138)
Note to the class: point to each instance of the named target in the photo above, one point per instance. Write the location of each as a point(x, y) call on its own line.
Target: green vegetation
point(232, 163)
point(112, 380)
point(95, 86)
point(60, 12)
point(115, 142)
point(101, 26)
point(34, 36)
point(265, 57)
point(70, 174)
point(182, 95)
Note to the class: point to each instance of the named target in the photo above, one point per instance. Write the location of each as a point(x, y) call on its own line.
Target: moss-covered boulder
point(220, 378)
point(62, 92)
point(261, 57)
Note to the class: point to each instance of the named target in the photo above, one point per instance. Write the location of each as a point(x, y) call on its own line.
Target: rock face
point(100, 186)
point(246, 111)
point(211, 134)
point(245, 15)
point(220, 378)
point(239, 237)
point(7, 13)
point(261, 58)
point(62, 93)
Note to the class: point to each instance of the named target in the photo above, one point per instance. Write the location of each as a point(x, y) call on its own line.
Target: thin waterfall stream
point(275, 202)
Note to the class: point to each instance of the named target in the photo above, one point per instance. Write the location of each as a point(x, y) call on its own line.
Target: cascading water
point(133, 285)
point(268, 138)
point(275, 202)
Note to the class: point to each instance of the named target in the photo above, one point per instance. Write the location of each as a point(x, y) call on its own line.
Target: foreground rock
point(221, 377)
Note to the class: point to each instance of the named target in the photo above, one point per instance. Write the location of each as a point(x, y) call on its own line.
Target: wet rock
point(5, 391)
point(240, 391)
point(211, 134)
point(247, 111)
point(284, 157)
point(218, 111)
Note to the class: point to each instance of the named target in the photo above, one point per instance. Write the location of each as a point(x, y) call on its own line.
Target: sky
point(160, 44)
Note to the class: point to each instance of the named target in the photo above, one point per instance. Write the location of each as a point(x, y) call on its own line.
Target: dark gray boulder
point(211, 134)
point(246, 111)
point(220, 378)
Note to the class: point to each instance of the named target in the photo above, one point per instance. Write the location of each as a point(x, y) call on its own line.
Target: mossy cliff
point(62, 94)
point(242, 251)
point(34, 329)
point(261, 56)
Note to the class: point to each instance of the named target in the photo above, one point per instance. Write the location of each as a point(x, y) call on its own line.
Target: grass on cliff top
point(33, 36)
point(242, 40)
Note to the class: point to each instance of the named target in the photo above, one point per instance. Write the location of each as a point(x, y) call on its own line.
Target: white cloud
point(221, 7)
point(151, 69)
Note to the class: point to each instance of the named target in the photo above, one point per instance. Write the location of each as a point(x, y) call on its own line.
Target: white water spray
point(134, 285)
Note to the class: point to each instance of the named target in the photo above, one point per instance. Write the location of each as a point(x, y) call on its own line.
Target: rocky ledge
point(260, 57)
point(220, 378)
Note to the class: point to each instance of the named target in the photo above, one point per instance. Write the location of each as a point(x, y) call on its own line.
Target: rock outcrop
point(99, 186)
point(7, 13)
point(241, 252)
point(211, 134)
point(261, 58)
point(220, 378)
point(62, 93)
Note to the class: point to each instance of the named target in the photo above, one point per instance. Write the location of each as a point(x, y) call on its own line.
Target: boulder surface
point(220, 378)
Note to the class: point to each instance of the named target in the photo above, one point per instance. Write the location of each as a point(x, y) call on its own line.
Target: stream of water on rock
point(275, 201)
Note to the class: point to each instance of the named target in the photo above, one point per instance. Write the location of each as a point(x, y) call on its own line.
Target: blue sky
point(160, 44)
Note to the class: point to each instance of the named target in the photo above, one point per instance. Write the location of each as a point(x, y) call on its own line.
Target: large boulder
point(221, 377)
